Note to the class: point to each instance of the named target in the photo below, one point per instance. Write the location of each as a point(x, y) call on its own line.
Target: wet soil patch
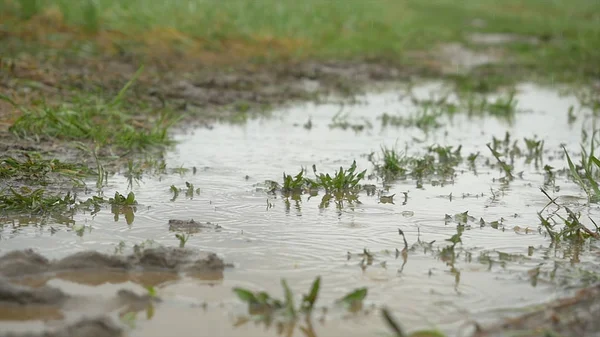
point(95, 327)
point(24, 294)
point(573, 316)
point(191, 226)
point(198, 94)
point(27, 262)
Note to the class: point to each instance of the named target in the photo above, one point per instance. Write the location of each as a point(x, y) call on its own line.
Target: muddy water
point(299, 241)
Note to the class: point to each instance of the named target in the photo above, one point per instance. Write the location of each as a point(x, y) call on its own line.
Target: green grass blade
point(310, 299)
point(387, 316)
point(245, 295)
point(575, 174)
point(123, 91)
point(289, 299)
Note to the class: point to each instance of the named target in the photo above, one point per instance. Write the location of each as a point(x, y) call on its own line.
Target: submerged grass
point(35, 169)
point(268, 308)
point(398, 331)
point(587, 173)
point(343, 185)
point(436, 166)
point(433, 113)
point(41, 205)
point(342, 182)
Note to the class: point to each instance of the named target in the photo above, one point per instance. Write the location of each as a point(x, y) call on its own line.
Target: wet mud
point(572, 316)
point(200, 95)
point(28, 262)
point(25, 296)
point(95, 327)
point(191, 226)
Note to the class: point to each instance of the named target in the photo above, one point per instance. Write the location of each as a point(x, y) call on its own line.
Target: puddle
point(500, 39)
point(267, 237)
point(458, 59)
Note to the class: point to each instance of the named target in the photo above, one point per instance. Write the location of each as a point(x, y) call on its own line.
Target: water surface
point(299, 241)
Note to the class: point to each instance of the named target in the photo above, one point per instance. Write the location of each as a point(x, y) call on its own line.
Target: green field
point(568, 31)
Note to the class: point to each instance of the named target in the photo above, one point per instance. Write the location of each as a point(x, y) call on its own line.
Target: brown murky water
point(301, 241)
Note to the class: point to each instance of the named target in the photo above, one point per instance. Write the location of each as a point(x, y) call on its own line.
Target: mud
point(13, 294)
point(198, 85)
point(574, 316)
point(200, 93)
point(25, 296)
point(191, 226)
point(27, 262)
point(96, 327)
point(23, 303)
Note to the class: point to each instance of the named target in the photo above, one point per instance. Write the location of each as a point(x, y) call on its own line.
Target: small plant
point(572, 230)
point(121, 200)
point(354, 300)
point(342, 182)
point(125, 205)
point(340, 121)
point(175, 192)
point(508, 169)
point(183, 239)
point(394, 164)
point(399, 332)
point(343, 186)
point(438, 165)
point(588, 173)
point(134, 173)
point(295, 184)
point(190, 191)
point(424, 119)
point(261, 303)
point(152, 292)
point(267, 308)
point(535, 149)
point(504, 106)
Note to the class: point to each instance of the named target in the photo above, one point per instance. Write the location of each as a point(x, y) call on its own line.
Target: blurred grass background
point(568, 31)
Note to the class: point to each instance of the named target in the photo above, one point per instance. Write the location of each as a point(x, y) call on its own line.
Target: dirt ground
point(200, 95)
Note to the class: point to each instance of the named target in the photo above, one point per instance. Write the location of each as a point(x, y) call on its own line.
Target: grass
point(344, 180)
point(567, 31)
point(343, 185)
point(35, 202)
point(436, 166)
point(506, 168)
point(398, 331)
point(107, 124)
point(35, 169)
point(183, 239)
point(190, 191)
point(125, 205)
point(60, 207)
point(267, 308)
point(431, 114)
point(587, 173)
